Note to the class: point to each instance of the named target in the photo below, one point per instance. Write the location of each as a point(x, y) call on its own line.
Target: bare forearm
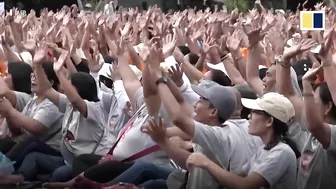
point(176, 153)
point(18, 120)
point(171, 105)
point(200, 63)
point(224, 177)
point(284, 84)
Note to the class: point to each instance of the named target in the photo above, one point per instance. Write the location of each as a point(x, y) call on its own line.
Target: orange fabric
point(244, 52)
point(140, 67)
point(319, 79)
point(3, 69)
point(205, 70)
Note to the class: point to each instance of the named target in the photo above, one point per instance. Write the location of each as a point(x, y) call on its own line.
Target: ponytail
point(281, 130)
point(291, 144)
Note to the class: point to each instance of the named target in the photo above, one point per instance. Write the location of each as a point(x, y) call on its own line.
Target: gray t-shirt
point(297, 132)
point(86, 132)
point(45, 113)
point(215, 142)
point(229, 146)
point(277, 166)
point(244, 145)
point(21, 100)
point(317, 168)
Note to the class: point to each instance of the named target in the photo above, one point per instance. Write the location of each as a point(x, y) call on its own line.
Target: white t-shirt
point(134, 140)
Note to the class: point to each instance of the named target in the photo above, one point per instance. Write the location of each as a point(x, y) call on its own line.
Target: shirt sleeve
point(107, 100)
point(210, 136)
point(62, 103)
point(47, 115)
point(94, 112)
point(278, 160)
point(21, 100)
point(139, 100)
point(332, 147)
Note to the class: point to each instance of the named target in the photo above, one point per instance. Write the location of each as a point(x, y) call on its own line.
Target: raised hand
point(253, 35)
point(234, 42)
point(295, 50)
point(156, 129)
point(40, 55)
point(208, 44)
point(59, 63)
point(197, 159)
point(169, 44)
point(176, 73)
point(304, 5)
point(311, 74)
point(127, 28)
point(30, 45)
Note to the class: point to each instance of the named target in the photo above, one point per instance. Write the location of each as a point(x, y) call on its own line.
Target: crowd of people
point(196, 99)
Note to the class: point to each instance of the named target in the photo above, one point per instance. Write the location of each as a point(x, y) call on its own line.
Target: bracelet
point(241, 57)
point(327, 65)
point(285, 65)
point(307, 94)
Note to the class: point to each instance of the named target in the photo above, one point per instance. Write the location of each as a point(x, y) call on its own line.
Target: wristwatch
point(278, 59)
point(162, 80)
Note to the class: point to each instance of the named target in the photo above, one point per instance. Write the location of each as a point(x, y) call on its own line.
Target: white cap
point(219, 66)
point(261, 67)
point(290, 42)
point(274, 104)
point(138, 47)
point(105, 70)
point(80, 53)
point(316, 49)
point(88, 5)
point(280, 11)
point(26, 56)
point(136, 70)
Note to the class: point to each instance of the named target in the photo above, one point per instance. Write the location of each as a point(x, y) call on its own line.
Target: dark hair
point(50, 73)
point(109, 59)
point(193, 58)
point(220, 78)
point(262, 73)
point(326, 97)
point(184, 50)
point(83, 66)
point(20, 72)
point(86, 86)
point(245, 92)
point(281, 130)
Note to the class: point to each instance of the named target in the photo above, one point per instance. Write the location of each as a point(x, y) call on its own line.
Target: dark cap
point(302, 66)
point(222, 98)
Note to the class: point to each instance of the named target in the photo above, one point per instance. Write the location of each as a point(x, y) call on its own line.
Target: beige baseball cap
point(274, 104)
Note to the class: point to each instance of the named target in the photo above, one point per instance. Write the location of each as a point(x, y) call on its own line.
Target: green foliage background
point(242, 5)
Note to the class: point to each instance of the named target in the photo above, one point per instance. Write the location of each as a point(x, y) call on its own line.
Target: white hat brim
point(219, 66)
point(251, 104)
